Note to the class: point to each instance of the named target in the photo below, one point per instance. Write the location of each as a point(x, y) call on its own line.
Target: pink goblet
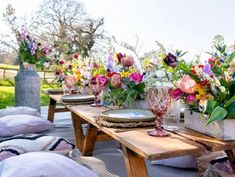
point(70, 81)
point(95, 90)
point(159, 99)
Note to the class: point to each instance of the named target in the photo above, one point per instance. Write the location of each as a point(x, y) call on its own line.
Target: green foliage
point(7, 83)
point(218, 113)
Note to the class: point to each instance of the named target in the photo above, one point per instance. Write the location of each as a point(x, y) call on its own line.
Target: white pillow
point(44, 164)
point(22, 124)
point(178, 162)
point(19, 110)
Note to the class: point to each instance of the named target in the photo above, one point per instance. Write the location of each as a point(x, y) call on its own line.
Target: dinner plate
point(55, 91)
point(128, 115)
point(77, 98)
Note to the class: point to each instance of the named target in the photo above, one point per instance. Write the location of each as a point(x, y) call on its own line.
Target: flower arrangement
point(31, 51)
point(125, 82)
point(75, 67)
point(208, 87)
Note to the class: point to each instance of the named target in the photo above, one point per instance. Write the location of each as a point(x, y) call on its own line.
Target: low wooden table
point(54, 100)
point(137, 145)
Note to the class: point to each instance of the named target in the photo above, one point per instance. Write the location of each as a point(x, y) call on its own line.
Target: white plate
point(77, 98)
point(128, 115)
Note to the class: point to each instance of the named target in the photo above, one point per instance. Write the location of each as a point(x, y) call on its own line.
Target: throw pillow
point(178, 162)
point(21, 144)
point(43, 164)
point(20, 124)
point(19, 110)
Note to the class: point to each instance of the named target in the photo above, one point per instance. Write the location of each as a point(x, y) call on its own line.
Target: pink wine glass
point(159, 99)
point(70, 81)
point(96, 90)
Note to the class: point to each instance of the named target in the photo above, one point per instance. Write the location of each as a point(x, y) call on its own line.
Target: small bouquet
point(31, 51)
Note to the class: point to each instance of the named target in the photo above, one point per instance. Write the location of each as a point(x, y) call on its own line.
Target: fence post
point(4, 74)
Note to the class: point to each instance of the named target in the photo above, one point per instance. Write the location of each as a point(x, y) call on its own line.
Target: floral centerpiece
point(76, 69)
point(31, 51)
point(125, 82)
point(208, 87)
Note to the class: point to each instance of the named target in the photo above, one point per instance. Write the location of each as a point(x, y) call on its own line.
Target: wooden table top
point(139, 141)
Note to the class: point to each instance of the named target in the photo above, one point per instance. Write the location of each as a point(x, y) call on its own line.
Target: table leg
point(135, 164)
point(90, 139)
point(51, 110)
point(231, 158)
point(78, 131)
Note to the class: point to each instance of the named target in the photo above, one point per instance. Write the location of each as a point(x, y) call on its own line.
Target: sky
point(187, 25)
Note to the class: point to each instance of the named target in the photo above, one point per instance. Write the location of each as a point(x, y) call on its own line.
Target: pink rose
point(102, 80)
point(176, 94)
point(136, 77)
point(190, 99)
point(127, 61)
point(116, 80)
point(186, 84)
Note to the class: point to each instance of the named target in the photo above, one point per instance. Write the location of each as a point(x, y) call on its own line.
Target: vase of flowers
point(27, 80)
point(208, 88)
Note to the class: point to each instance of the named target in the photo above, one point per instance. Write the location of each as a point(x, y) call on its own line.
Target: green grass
point(7, 96)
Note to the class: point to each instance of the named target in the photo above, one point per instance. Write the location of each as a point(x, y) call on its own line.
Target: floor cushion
point(20, 124)
point(42, 164)
point(19, 110)
point(21, 144)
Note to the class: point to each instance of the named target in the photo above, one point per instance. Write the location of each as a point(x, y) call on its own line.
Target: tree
point(66, 24)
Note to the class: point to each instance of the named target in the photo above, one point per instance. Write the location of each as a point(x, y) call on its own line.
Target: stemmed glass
point(70, 81)
point(96, 90)
point(159, 99)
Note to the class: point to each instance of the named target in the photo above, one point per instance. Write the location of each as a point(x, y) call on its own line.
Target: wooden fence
point(10, 73)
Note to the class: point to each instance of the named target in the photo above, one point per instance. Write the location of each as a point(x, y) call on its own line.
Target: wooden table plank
point(212, 144)
point(139, 141)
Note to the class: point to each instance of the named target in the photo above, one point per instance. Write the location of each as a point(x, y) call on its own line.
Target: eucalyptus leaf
point(210, 106)
point(218, 113)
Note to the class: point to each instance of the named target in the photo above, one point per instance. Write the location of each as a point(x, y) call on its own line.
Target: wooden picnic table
point(137, 145)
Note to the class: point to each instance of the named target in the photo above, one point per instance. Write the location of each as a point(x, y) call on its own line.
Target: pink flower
point(136, 77)
point(102, 80)
point(75, 56)
point(186, 84)
point(116, 80)
point(176, 94)
point(190, 99)
point(61, 62)
point(127, 61)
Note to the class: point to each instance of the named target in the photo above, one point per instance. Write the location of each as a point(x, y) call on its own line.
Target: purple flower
point(170, 60)
point(207, 69)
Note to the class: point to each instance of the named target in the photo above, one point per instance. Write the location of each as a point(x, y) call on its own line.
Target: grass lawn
point(7, 97)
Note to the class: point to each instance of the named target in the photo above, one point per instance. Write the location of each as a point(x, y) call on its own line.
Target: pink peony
point(186, 84)
point(116, 80)
point(136, 77)
point(102, 80)
point(127, 61)
point(190, 99)
point(176, 94)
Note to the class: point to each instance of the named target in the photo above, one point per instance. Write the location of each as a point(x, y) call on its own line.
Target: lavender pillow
point(43, 164)
point(21, 144)
point(22, 124)
point(19, 110)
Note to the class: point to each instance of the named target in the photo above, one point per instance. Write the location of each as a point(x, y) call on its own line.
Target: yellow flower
point(125, 74)
point(146, 61)
point(200, 90)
